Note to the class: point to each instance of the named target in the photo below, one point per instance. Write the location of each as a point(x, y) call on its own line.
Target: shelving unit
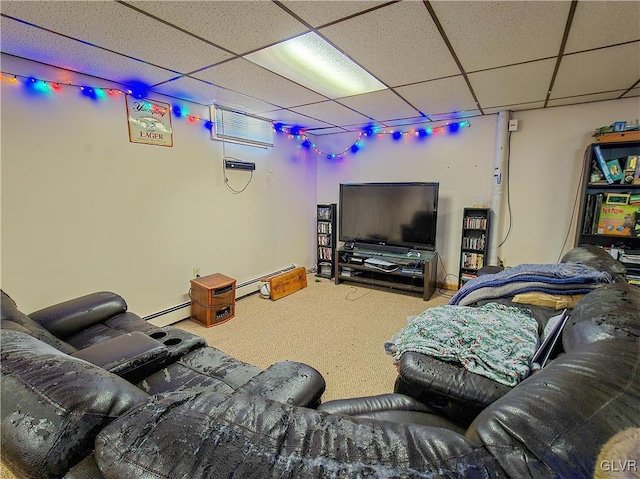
point(609, 210)
point(326, 239)
point(415, 272)
point(474, 245)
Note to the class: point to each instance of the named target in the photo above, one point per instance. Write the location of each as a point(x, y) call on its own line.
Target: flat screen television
point(393, 214)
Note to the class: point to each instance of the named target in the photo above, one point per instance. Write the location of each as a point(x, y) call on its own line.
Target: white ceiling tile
point(317, 13)
point(294, 119)
point(399, 44)
point(408, 121)
point(115, 27)
point(239, 26)
point(574, 100)
point(521, 106)
point(381, 105)
point(455, 115)
point(600, 24)
point(33, 43)
point(511, 85)
point(187, 88)
point(326, 131)
point(607, 69)
point(491, 34)
point(250, 79)
point(332, 113)
point(439, 96)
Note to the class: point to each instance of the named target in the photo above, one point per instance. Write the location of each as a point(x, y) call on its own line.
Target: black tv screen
point(394, 214)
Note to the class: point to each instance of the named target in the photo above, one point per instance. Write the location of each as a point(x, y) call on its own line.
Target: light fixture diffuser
point(312, 62)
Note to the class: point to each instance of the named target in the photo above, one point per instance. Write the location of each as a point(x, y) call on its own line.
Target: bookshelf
point(326, 239)
point(609, 208)
point(474, 245)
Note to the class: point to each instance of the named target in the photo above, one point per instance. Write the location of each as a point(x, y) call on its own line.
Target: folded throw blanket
point(552, 278)
point(493, 340)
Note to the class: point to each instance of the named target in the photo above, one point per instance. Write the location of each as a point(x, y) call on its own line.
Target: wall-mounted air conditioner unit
point(233, 126)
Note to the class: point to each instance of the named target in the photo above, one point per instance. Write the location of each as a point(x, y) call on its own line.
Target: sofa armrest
point(132, 356)
point(288, 382)
point(67, 318)
point(390, 407)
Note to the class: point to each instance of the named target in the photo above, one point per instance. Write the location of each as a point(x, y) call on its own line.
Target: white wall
point(462, 163)
point(83, 209)
point(545, 163)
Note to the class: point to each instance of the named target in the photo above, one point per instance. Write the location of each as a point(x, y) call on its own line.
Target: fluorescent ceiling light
point(314, 63)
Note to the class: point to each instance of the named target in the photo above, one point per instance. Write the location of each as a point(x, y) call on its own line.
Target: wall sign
point(149, 122)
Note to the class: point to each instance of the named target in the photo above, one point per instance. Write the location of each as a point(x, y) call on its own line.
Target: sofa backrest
point(53, 406)
point(610, 311)
point(11, 318)
point(555, 422)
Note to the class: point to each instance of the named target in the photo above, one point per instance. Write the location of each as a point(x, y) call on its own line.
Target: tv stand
point(416, 271)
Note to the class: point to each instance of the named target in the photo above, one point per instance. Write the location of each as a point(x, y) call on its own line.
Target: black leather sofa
point(61, 385)
point(552, 424)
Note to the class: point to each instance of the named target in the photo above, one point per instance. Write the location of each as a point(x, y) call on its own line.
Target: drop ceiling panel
point(317, 13)
point(395, 55)
point(115, 27)
point(492, 34)
point(332, 113)
point(250, 79)
point(381, 105)
point(326, 131)
point(35, 44)
point(522, 106)
point(522, 83)
point(408, 121)
point(632, 92)
point(600, 24)
point(456, 115)
point(187, 88)
point(294, 119)
point(237, 26)
point(439, 96)
point(586, 98)
point(607, 69)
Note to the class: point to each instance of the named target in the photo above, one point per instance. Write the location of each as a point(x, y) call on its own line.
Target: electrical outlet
point(196, 272)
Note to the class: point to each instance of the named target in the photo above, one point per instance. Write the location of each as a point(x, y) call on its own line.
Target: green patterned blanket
point(493, 340)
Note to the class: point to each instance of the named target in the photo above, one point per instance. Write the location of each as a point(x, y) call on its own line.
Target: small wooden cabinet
point(474, 246)
point(213, 299)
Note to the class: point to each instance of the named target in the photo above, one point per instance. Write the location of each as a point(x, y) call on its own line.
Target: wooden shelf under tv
point(421, 279)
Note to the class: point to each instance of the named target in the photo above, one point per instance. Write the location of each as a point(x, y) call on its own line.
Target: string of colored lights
point(293, 132)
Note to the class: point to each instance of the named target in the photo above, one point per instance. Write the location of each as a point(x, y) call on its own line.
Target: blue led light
point(396, 135)
point(208, 125)
point(177, 111)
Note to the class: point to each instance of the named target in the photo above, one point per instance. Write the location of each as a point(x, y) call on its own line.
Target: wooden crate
point(287, 283)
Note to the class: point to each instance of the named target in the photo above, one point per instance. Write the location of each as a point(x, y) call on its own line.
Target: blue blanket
point(569, 278)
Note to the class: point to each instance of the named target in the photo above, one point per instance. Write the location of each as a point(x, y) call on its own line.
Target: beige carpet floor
point(338, 329)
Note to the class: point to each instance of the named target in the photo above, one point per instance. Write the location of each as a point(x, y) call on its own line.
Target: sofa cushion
point(611, 311)
point(14, 319)
point(595, 257)
point(53, 405)
point(69, 317)
point(555, 422)
point(207, 435)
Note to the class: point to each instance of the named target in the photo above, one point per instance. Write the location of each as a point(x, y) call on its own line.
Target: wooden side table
point(213, 299)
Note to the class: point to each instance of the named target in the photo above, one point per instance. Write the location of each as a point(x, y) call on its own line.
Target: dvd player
point(380, 264)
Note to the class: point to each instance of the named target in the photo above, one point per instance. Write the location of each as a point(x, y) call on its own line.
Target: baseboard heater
point(244, 284)
point(239, 165)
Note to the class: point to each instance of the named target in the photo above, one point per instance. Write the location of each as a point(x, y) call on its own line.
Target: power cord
point(224, 163)
point(576, 204)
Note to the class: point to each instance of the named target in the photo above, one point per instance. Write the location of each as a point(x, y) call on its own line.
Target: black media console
point(392, 267)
